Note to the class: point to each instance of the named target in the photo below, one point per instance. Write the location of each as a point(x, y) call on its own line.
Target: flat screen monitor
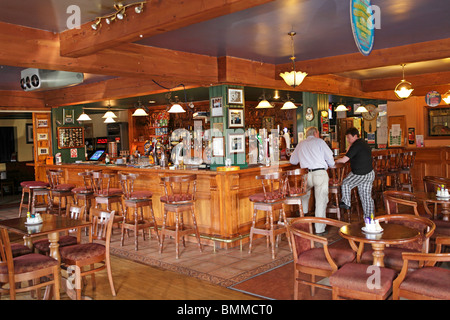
point(97, 154)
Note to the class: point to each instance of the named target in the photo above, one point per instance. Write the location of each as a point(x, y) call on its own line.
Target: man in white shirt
point(314, 154)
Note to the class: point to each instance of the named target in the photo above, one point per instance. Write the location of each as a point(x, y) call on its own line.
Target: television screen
point(97, 155)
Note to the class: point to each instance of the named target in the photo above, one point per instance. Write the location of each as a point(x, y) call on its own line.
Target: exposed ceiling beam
point(430, 50)
point(158, 17)
point(21, 100)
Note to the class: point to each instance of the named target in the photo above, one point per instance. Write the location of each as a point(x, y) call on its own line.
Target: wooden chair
point(393, 171)
point(426, 282)
point(27, 189)
point(352, 282)
point(393, 253)
point(42, 206)
point(35, 269)
point(85, 193)
point(107, 194)
point(430, 184)
point(405, 177)
point(136, 200)
point(83, 255)
point(336, 175)
point(58, 189)
point(380, 167)
point(73, 212)
point(179, 198)
point(321, 261)
point(296, 187)
point(271, 199)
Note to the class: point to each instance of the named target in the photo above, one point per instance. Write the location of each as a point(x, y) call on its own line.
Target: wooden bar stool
point(405, 171)
point(379, 164)
point(105, 193)
point(42, 206)
point(58, 189)
point(84, 193)
point(393, 171)
point(179, 198)
point(27, 188)
point(272, 198)
point(136, 200)
point(296, 184)
point(336, 174)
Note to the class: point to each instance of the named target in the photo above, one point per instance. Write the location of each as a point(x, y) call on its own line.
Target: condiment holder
point(372, 226)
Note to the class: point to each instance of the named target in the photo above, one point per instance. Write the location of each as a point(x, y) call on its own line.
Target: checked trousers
point(364, 183)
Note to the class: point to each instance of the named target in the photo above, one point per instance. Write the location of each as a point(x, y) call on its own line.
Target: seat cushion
point(178, 197)
point(34, 184)
point(392, 258)
point(295, 192)
point(83, 251)
point(110, 192)
point(355, 276)
point(30, 262)
point(64, 187)
point(43, 245)
point(19, 249)
point(268, 197)
point(315, 258)
point(429, 281)
point(82, 190)
point(137, 195)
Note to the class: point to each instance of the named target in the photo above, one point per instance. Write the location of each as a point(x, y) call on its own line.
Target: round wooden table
point(430, 197)
point(392, 234)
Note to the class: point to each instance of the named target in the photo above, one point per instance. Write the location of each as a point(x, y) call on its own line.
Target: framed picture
point(235, 118)
point(236, 143)
point(235, 96)
point(218, 147)
point(68, 116)
point(42, 151)
point(216, 107)
point(42, 136)
point(42, 123)
point(29, 132)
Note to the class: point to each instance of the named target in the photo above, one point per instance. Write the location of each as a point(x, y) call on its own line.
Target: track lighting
point(119, 14)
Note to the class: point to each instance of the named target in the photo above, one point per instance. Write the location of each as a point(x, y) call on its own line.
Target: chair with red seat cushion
point(38, 270)
point(179, 197)
point(136, 199)
point(362, 282)
point(296, 187)
point(18, 249)
point(91, 254)
point(73, 212)
point(27, 188)
point(426, 282)
point(270, 200)
point(105, 192)
point(336, 174)
point(393, 253)
point(59, 189)
point(84, 193)
point(323, 260)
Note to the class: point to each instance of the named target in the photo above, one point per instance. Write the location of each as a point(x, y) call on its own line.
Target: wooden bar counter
point(223, 210)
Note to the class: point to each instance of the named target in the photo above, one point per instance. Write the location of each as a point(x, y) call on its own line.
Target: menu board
point(70, 137)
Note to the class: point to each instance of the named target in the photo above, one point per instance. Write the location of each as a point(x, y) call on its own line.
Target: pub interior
point(180, 118)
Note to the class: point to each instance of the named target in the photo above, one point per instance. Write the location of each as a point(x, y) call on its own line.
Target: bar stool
point(104, 193)
point(27, 188)
point(393, 171)
point(58, 189)
point(336, 176)
point(84, 193)
point(355, 203)
point(137, 200)
point(43, 206)
point(272, 198)
point(179, 198)
point(296, 184)
point(405, 170)
point(379, 164)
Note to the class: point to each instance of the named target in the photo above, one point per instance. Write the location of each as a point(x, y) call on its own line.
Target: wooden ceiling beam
point(430, 50)
point(158, 17)
point(21, 100)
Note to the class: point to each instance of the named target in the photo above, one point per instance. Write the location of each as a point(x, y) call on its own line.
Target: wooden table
point(51, 226)
point(392, 234)
point(430, 197)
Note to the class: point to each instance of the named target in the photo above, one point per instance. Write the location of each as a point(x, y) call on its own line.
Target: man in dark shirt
point(361, 176)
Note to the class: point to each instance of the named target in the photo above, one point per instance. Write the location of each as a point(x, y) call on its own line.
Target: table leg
point(378, 254)
point(27, 242)
point(445, 213)
point(53, 238)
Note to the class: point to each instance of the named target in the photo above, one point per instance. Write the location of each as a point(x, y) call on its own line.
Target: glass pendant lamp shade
point(84, 117)
point(341, 107)
point(176, 108)
point(139, 113)
point(403, 90)
point(109, 114)
point(109, 120)
point(293, 78)
point(361, 109)
point(264, 104)
point(288, 105)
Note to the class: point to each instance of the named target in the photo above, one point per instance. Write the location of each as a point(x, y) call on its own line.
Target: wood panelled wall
point(430, 161)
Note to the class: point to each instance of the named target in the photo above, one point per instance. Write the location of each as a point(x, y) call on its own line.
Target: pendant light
point(288, 104)
point(341, 107)
point(361, 109)
point(109, 120)
point(293, 78)
point(84, 117)
point(109, 113)
point(404, 89)
point(264, 103)
point(139, 112)
point(176, 108)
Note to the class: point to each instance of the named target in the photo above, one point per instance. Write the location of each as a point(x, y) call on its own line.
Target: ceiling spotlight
point(119, 14)
point(97, 25)
point(404, 89)
point(140, 8)
point(293, 78)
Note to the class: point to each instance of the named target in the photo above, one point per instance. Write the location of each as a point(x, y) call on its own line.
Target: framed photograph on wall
point(29, 132)
point(236, 143)
point(235, 96)
point(42, 123)
point(235, 118)
point(42, 136)
point(216, 107)
point(42, 151)
point(218, 147)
